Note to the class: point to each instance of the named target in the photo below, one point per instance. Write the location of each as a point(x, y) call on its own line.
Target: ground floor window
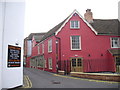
point(45, 66)
point(50, 63)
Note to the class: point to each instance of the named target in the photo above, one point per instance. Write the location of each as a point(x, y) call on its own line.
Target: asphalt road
point(43, 79)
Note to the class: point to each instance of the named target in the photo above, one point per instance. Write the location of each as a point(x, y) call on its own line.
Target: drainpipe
point(58, 51)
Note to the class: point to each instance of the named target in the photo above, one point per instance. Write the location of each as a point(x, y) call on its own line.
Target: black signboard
point(14, 56)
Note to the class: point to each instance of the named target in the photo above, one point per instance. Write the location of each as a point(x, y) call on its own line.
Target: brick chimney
point(88, 16)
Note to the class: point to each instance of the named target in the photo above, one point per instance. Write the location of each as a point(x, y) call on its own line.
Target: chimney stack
point(88, 16)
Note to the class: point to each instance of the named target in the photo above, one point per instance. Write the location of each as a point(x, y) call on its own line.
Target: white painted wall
point(1, 30)
point(13, 32)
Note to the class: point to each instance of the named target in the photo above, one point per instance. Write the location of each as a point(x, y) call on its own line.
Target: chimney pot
point(88, 16)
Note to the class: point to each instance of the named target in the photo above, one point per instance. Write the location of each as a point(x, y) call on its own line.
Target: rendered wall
point(1, 31)
point(13, 33)
point(90, 44)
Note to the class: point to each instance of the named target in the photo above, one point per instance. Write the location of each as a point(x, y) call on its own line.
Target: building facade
point(80, 44)
point(11, 41)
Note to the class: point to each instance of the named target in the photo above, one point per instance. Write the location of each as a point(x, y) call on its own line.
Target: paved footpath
point(34, 78)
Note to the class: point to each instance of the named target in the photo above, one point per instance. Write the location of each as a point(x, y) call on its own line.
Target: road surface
point(43, 79)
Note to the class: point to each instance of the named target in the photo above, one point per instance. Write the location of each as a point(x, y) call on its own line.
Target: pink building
point(79, 44)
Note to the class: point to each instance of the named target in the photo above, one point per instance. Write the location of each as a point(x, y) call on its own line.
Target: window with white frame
point(42, 48)
point(50, 45)
point(74, 24)
point(75, 43)
point(45, 66)
point(115, 42)
point(38, 49)
point(50, 63)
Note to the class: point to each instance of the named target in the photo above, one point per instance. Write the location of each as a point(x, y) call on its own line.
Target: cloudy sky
point(42, 15)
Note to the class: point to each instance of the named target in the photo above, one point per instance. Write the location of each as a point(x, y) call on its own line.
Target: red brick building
point(80, 44)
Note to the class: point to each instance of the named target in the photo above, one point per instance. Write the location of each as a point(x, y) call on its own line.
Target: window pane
point(75, 42)
point(50, 63)
point(72, 24)
point(115, 42)
point(50, 46)
point(117, 60)
point(76, 24)
point(79, 62)
point(73, 62)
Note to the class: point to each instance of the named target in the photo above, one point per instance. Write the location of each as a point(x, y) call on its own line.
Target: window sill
point(115, 47)
point(49, 52)
point(50, 68)
point(76, 49)
point(74, 28)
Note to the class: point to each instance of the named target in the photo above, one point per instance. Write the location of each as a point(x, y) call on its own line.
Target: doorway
point(117, 60)
point(76, 64)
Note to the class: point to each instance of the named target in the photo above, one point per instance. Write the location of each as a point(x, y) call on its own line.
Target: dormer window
point(115, 42)
point(74, 25)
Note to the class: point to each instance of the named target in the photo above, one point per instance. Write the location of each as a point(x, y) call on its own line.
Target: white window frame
point(74, 24)
point(45, 66)
point(111, 39)
point(50, 45)
point(50, 63)
point(42, 47)
point(79, 42)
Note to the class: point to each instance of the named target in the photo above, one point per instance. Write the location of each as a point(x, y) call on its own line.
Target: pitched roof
point(106, 27)
point(57, 28)
point(37, 36)
point(114, 52)
point(99, 26)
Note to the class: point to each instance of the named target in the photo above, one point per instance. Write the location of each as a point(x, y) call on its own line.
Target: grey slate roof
point(114, 52)
point(107, 27)
point(37, 36)
point(103, 27)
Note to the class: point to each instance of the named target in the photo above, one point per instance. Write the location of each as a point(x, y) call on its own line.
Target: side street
point(33, 78)
point(65, 44)
point(90, 49)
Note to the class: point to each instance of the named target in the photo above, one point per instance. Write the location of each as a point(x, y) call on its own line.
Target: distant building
point(29, 43)
point(78, 44)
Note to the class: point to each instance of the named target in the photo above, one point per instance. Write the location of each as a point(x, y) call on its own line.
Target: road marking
point(111, 82)
point(27, 81)
point(30, 83)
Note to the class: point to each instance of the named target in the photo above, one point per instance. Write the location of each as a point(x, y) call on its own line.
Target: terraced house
point(77, 44)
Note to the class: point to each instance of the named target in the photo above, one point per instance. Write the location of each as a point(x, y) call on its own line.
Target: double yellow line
point(27, 82)
point(111, 82)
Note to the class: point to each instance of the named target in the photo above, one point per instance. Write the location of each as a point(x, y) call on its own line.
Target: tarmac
point(26, 82)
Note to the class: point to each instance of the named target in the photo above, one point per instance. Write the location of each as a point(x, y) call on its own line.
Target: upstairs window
point(74, 24)
point(75, 43)
point(50, 45)
point(42, 48)
point(115, 42)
